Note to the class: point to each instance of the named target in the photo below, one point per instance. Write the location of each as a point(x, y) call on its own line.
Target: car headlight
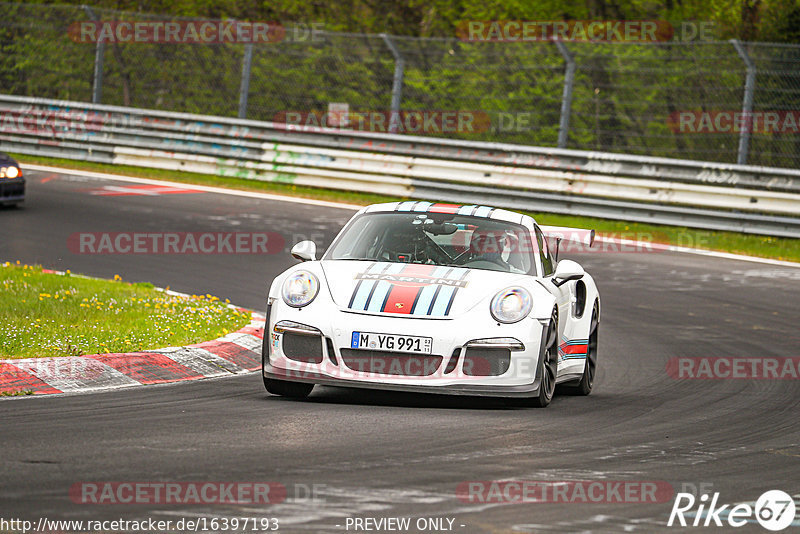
point(300, 288)
point(12, 172)
point(511, 305)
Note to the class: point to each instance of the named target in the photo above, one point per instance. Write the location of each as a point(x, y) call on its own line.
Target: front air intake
point(302, 348)
point(390, 363)
point(479, 361)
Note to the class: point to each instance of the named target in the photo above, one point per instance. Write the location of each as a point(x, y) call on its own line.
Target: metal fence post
point(99, 52)
point(244, 88)
point(566, 95)
point(747, 104)
point(397, 82)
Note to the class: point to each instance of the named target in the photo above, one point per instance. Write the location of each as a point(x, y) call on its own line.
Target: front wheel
point(547, 368)
point(295, 390)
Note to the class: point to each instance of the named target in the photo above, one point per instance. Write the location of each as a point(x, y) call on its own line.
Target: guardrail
point(716, 196)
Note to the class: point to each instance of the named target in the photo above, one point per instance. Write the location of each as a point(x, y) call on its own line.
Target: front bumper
point(12, 190)
point(521, 391)
point(450, 339)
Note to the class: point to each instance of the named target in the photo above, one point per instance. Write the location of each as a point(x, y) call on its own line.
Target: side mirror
point(567, 270)
point(305, 251)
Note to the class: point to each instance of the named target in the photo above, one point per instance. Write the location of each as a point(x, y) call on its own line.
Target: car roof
point(473, 210)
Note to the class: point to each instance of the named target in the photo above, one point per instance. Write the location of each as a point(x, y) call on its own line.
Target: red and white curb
point(236, 353)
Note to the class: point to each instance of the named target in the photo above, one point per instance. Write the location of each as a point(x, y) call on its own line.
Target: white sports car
point(435, 298)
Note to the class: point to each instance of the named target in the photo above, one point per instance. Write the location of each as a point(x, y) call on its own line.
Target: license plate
point(391, 342)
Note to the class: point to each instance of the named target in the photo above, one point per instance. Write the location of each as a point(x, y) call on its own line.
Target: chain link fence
point(671, 99)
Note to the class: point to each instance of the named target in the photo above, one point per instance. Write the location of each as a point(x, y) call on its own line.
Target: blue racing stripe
point(466, 210)
point(442, 300)
point(364, 288)
point(362, 294)
point(483, 211)
point(462, 273)
point(378, 296)
point(426, 295)
point(424, 300)
point(423, 206)
point(376, 300)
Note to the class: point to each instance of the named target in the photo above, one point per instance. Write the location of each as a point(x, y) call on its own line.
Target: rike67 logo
point(774, 510)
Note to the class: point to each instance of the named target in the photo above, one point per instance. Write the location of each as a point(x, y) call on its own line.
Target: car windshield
point(437, 239)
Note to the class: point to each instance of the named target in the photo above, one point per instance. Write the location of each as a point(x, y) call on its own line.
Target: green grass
point(752, 245)
point(17, 393)
point(45, 314)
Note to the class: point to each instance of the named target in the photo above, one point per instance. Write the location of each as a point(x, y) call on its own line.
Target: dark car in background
point(12, 184)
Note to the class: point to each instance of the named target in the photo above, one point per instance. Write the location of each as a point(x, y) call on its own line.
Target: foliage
point(624, 99)
point(47, 314)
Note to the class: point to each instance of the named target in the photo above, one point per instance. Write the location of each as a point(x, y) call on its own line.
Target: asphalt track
point(376, 454)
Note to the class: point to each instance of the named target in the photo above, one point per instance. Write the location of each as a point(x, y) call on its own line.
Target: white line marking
point(206, 188)
point(646, 245)
point(353, 207)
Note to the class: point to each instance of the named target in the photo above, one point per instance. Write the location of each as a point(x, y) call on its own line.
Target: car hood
point(423, 291)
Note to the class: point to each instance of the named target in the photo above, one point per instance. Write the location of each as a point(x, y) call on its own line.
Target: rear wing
point(563, 233)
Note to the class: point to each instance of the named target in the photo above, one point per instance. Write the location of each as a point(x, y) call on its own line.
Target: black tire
point(586, 383)
point(547, 369)
point(295, 390)
point(548, 365)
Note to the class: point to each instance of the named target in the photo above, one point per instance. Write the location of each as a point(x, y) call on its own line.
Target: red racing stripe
point(444, 208)
point(416, 269)
point(401, 299)
point(574, 349)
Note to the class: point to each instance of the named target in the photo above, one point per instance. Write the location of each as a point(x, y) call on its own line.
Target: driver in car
point(409, 246)
point(489, 245)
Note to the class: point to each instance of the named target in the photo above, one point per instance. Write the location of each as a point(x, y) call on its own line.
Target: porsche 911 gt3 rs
point(436, 298)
